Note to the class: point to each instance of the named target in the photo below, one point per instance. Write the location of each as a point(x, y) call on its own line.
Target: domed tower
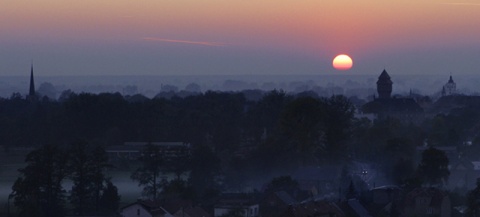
point(450, 87)
point(384, 85)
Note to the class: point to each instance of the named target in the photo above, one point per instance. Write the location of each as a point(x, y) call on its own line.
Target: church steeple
point(31, 93)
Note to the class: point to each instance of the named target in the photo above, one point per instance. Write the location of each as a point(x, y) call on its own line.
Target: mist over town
point(264, 108)
point(240, 147)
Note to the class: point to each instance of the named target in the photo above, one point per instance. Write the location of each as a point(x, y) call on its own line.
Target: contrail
point(205, 43)
point(461, 4)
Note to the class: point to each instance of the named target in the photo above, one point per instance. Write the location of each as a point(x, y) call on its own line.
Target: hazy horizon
point(150, 85)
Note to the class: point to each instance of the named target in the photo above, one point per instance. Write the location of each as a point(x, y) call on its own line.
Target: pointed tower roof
point(384, 77)
point(32, 83)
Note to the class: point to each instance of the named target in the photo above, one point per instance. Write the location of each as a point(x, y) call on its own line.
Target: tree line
point(236, 139)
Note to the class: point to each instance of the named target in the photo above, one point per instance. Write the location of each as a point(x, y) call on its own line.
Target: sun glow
point(342, 62)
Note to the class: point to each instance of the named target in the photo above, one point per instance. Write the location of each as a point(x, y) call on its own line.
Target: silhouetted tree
point(264, 115)
point(109, 200)
point(81, 195)
point(403, 169)
point(48, 90)
point(282, 183)
point(439, 132)
point(205, 167)
point(180, 163)
point(98, 163)
point(148, 174)
point(337, 125)
point(302, 131)
point(177, 188)
point(39, 191)
point(433, 169)
point(193, 87)
point(65, 95)
point(88, 175)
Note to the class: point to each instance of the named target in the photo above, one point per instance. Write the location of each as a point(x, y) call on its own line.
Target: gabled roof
point(151, 206)
point(285, 197)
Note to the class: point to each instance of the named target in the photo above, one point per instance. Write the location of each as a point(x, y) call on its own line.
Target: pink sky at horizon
point(312, 27)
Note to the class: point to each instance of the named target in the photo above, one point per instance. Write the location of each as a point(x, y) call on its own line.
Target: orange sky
point(356, 23)
point(316, 27)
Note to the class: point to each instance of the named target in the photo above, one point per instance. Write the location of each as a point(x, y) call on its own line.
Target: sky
point(238, 37)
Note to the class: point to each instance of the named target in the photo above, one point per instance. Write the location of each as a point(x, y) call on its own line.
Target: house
point(427, 202)
point(192, 212)
point(237, 204)
point(144, 209)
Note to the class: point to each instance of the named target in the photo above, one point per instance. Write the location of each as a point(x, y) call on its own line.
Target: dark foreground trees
point(87, 167)
point(433, 168)
point(39, 190)
point(473, 201)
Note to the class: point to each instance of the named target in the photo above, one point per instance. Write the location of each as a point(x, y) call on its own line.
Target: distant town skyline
point(188, 37)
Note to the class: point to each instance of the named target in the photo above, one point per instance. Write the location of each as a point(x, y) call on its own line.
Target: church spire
point(31, 93)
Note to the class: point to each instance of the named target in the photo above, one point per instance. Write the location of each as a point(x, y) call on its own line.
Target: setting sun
point(342, 62)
